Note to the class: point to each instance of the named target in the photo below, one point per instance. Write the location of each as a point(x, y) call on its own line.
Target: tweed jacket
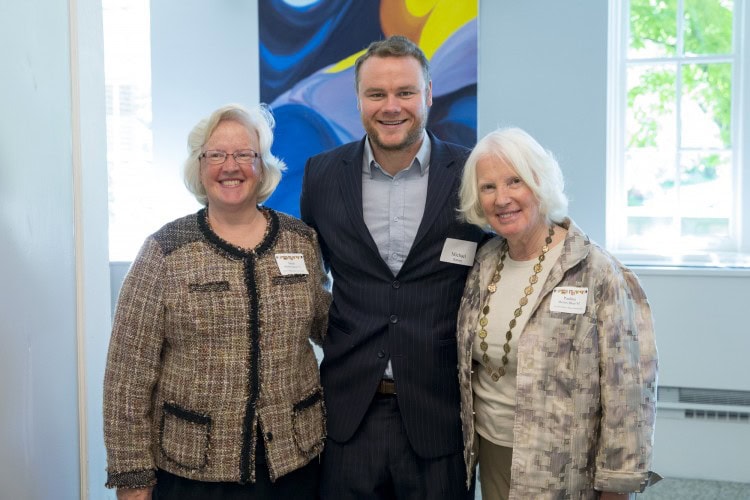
point(586, 383)
point(210, 344)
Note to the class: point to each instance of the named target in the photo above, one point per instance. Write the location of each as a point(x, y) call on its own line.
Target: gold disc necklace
point(492, 288)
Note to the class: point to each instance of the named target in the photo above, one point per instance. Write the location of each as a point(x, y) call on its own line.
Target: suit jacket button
point(381, 354)
point(396, 284)
point(269, 436)
point(394, 319)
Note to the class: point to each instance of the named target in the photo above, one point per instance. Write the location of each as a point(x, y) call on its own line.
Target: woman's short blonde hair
point(536, 166)
point(257, 120)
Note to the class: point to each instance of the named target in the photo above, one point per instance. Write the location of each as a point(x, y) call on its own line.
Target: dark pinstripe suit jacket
point(410, 317)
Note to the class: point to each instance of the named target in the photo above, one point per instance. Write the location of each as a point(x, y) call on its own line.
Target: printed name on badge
point(459, 252)
point(569, 299)
point(291, 263)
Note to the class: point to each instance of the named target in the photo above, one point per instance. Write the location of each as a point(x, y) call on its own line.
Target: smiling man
point(385, 211)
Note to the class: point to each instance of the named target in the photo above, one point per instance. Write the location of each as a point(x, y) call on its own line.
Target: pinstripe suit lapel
point(440, 184)
point(350, 187)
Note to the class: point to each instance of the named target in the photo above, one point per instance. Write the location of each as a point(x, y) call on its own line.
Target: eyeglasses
point(217, 157)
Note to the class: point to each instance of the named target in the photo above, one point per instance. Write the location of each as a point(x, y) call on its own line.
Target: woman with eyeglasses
point(212, 387)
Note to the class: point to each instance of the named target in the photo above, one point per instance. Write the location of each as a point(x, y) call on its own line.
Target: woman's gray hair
point(536, 166)
point(257, 120)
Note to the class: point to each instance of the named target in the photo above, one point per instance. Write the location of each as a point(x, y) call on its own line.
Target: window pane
point(653, 28)
point(656, 233)
point(702, 230)
point(708, 26)
point(650, 181)
point(706, 185)
point(651, 120)
point(127, 75)
point(706, 105)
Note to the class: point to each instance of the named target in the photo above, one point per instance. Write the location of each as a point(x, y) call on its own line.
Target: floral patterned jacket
point(586, 390)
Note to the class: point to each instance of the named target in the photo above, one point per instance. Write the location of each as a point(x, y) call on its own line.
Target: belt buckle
point(386, 386)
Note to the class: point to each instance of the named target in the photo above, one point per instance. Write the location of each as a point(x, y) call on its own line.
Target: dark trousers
point(379, 463)
point(301, 484)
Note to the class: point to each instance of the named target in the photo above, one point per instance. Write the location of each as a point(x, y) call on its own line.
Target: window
point(127, 77)
point(675, 179)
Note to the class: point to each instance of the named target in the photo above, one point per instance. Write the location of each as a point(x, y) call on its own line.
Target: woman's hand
point(134, 493)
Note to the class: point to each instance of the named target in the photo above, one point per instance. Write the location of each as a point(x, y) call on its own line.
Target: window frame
point(739, 254)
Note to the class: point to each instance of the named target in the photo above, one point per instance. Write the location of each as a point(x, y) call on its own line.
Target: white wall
point(38, 368)
point(543, 67)
point(53, 259)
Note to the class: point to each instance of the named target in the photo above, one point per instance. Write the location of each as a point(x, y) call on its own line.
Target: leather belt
point(386, 386)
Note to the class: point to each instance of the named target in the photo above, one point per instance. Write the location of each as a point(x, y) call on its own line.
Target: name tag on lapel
point(291, 263)
point(569, 299)
point(458, 252)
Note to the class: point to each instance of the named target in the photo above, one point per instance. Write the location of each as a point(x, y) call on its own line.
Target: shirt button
point(394, 319)
point(395, 219)
point(394, 255)
point(396, 284)
point(381, 354)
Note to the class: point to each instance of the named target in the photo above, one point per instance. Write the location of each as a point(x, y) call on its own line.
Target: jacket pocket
point(308, 423)
point(184, 436)
point(289, 279)
point(213, 286)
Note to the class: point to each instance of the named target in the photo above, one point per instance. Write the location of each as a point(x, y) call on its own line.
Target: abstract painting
point(307, 54)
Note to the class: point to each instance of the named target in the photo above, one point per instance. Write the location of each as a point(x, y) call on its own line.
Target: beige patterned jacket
point(585, 402)
point(210, 343)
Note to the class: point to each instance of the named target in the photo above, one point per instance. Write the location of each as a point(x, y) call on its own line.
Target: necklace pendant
point(492, 288)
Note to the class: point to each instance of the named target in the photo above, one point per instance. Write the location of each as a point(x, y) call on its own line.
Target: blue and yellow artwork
point(307, 54)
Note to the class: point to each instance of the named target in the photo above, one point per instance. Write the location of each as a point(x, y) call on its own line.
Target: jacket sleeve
point(304, 197)
point(322, 296)
point(132, 370)
point(628, 365)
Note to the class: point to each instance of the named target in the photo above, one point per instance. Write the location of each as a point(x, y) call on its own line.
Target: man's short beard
point(411, 138)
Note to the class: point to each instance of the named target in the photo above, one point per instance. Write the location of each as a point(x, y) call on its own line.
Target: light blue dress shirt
point(393, 206)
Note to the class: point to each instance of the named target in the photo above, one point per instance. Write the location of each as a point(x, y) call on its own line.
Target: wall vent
point(688, 395)
point(711, 401)
point(723, 416)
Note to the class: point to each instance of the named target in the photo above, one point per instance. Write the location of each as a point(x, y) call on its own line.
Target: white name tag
point(459, 252)
point(291, 263)
point(569, 299)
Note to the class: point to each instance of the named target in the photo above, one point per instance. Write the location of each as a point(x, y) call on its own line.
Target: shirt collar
point(422, 158)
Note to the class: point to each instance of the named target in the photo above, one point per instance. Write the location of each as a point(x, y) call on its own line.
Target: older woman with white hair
point(212, 387)
point(557, 359)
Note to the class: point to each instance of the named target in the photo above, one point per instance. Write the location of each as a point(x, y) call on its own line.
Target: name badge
point(458, 252)
point(569, 299)
point(291, 263)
